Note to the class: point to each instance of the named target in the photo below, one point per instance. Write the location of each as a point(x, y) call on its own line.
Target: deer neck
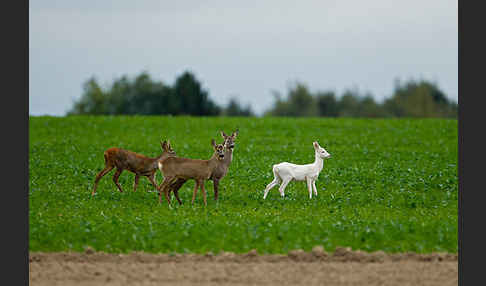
point(155, 161)
point(213, 161)
point(228, 156)
point(318, 162)
point(159, 158)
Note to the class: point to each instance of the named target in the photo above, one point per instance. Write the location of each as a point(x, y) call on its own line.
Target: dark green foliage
point(234, 108)
point(414, 99)
point(349, 104)
point(327, 104)
point(191, 99)
point(390, 185)
point(299, 102)
point(419, 99)
point(146, 97)
point(187, 97)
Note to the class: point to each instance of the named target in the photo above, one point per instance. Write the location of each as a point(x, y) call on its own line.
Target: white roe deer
point(185, 168)
point(133, 162)
point(285, 172)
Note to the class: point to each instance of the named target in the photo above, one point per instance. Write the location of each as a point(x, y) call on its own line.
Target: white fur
point(286, 172)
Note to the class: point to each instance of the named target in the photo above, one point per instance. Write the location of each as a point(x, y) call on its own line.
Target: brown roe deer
point(185, 168)
point(219, 172)
point(133, 162)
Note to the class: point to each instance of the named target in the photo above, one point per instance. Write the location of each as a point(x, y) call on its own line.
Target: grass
point(390, 185)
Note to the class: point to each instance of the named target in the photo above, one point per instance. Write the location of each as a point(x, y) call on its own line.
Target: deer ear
point(235, 133)
point(163, 145)
point(316, 145)
point(213, 142)
point(223, 134)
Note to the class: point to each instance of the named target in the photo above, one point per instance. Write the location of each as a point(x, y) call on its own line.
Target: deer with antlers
point(185, 168)
point(220, 171)
point(133, 162)
point(285, 172)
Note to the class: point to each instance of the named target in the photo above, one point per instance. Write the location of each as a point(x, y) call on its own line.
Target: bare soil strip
point(343, 267)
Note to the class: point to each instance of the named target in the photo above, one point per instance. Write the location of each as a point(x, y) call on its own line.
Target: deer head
point(321, 152)
point(167, 149)
point(218, 149)
point(229, 141)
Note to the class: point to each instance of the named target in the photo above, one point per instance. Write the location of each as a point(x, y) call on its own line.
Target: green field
point(390, 185)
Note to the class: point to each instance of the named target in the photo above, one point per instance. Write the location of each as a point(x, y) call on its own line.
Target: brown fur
point(175, 168)
point(219, 172)
point(133, 162)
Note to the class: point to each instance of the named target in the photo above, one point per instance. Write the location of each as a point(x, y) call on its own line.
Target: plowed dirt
point(343, 267)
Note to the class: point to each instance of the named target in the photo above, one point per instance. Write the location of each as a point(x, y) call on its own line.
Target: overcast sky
point(240, 48)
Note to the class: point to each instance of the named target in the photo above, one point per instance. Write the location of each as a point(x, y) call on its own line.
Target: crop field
point(390, 185)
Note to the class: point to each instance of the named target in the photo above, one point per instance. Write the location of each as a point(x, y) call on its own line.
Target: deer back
point(187, 168)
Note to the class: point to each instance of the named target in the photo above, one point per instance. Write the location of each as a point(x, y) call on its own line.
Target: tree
point(234, 109)
point(142, 95)
point(192, 99)
point(369, 108)
point(413, 99)
point(327, 104)
point(348, 105)
point(280, 107)
point(92, 101)
point(419, 99)
point(300, 102)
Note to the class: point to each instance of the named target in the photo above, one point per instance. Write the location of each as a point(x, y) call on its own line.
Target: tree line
point(142, 95)
point(410, 99)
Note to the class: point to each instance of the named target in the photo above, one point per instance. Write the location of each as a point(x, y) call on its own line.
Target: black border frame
point(15, 210)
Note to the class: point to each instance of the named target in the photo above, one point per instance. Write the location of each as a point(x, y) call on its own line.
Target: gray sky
point(240, 48)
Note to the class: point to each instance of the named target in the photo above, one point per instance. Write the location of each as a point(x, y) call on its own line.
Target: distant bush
point(419, 99)
point(234, 108)
point(412, 99)
point(144, 96)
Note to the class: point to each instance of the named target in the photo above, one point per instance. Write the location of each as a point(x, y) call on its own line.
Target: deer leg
point(99, 176)
point(167, 197)
point(177, 184)
point(204, 193)
point(269, 186)
point(115, 178)
point(162, 185)
point(176, 194)
point(215, 184)
point(137, 177)
point(195, 191)
point(152, 180)
point(314, 187)
point(282, 187)
point(164, 188)
point(309, 186)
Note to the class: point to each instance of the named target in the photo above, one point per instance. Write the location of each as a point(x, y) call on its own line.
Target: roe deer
point(286, 172)
point(220, 171)
point(133, 162)
point(185, 168)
